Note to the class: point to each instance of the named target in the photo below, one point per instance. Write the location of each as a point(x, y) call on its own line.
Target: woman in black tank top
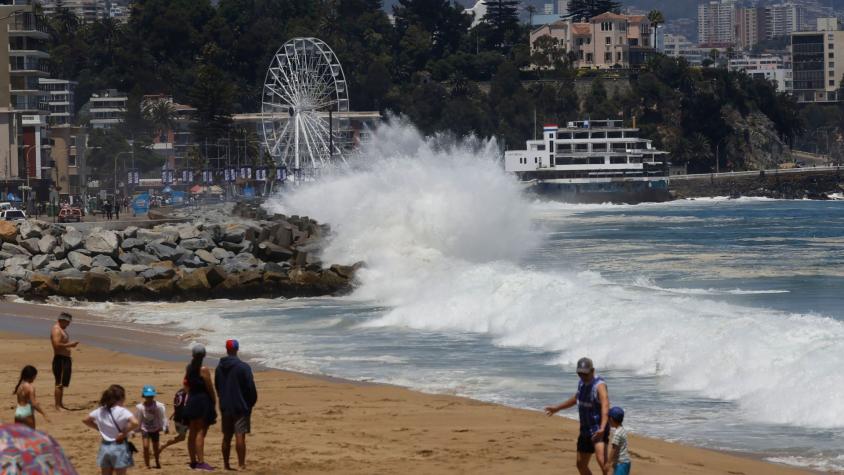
point(200, 411)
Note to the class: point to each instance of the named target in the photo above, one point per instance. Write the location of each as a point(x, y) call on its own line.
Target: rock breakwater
point(236, 254)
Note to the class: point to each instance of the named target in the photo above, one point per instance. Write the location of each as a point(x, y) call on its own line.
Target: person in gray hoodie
point(237, 395)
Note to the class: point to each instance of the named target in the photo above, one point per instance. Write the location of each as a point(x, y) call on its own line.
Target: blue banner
point(140, 203)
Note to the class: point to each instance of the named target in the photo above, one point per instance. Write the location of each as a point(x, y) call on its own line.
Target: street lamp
point(132, 152)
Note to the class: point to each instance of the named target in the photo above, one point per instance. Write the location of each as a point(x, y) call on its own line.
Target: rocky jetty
point(242, 253)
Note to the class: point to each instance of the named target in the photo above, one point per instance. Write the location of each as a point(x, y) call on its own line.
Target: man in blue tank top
point(593, 405)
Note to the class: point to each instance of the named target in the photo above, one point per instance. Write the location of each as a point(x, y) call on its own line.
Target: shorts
point(585, 444)
point(236, 424)
point(62, 368)
point(622, 469)
point(153, 436)
point(181, 429)
point(112, 455)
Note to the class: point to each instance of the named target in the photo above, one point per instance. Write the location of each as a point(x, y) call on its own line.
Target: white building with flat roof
point(107, 109)
point(60, 100)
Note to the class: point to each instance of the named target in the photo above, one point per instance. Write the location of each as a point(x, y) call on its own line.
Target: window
point(599, 135)
point(831, 55)
point(618, 57)
point(832, 82)
point(831, 65)
point(614, 135)
point(618, 160)
point(581, 135)
point(607, 57)
point(540, 147)
point(831, 46)
point(589, 57)
point(606, 26)
point(622, 26)
point(608, 40)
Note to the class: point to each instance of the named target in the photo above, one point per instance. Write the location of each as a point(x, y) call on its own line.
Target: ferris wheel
point(304, 88)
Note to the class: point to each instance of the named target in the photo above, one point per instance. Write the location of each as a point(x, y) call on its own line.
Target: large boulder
point(103, 260)
point(215, 275)
point(147, 235)
point(97, 284)
point(102, 242)
point(194, 244)
point(18, 272)
point(71, 285)
point(130, 232)
point(15, 250)
point(8, 285)
point(41, 260)
point(79, 261)
point(132, 243)
point(28, 230)
point(160, 287)
point(330, 280)
point(221, 253)
point(193, 282)
point(300, 276)
point(206, 257)
point(124, 282)
point(283, 235)
point(58, 265)
point(187, 232)
point(234, 233)
point(31, 245)
point(42, 285)
point(133, 268)
point(164, 250)
point(153, 273)
point(72, 238)
point(8, 231)
point(18, 261)
point(273, 252)
point(236, 247)
point(46, 244)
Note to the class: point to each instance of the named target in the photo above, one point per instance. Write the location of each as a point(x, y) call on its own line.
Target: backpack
point(179, 402)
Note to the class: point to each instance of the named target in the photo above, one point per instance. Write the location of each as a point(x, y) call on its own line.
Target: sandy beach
point(308, 424)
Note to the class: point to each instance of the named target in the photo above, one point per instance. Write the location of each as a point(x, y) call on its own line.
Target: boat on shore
point(598, 161)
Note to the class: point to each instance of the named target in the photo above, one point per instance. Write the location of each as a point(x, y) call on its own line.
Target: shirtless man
point(61, 356)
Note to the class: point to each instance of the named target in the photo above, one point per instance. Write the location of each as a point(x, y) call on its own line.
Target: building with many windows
point(87, 11)
point(107, 109)
point(606, 41)
point(678, 46)
point(24, 146)
point(766, 66)
point(782, 19)
point(60, 100)
point(717, 23)
point(818, 65)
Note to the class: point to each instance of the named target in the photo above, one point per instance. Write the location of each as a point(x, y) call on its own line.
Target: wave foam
point(442, 229)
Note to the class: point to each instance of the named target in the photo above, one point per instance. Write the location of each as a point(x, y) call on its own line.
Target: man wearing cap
point(593, 405)
point(62, 364)
point(238, 395)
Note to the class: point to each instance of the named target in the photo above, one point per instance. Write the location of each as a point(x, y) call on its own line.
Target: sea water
point(715, 322)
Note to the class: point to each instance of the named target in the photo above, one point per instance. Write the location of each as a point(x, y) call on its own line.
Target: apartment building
point(782, 19)
point(606, 41)
point(107, 109)
point(749, 26)
point(173, 144)
point(818, 65)
point(60, 100)
point(766, 66)
point(87, 11)
point(717, 23)
point(678, 46)
point(24, 145)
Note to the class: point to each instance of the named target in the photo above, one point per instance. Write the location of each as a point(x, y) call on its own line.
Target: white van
point(5, 205)
point(12, 215)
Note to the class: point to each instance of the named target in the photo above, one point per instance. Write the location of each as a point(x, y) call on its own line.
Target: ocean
point(717, 323)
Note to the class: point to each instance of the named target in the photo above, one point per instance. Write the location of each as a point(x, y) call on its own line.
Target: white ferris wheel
point(304, 88)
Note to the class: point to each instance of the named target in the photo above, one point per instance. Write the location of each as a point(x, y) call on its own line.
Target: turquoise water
point(716, 323)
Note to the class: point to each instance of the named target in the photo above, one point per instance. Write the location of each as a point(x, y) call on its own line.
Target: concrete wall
point(772, 184)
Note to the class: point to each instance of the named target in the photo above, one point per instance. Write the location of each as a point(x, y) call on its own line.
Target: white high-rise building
point(782, 20)
point(717, 23)
point(86, 10)
point(562, 7)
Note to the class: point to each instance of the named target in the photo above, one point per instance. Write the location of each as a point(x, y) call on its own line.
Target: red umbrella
point(196, 189)
point(25, 451)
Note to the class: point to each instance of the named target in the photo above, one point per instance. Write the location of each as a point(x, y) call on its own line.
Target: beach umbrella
point(30, 452)
point(196, 189)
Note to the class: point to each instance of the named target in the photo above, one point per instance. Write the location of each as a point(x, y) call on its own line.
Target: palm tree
point(656, 18)
point(161, 113)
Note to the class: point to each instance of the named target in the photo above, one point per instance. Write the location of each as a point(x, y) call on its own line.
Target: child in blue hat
point(153, 418)
point(619, 454)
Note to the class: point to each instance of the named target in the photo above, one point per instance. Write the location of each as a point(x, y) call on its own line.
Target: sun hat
point(148, 391)
point(232, 345)
point(617, 414)
point(584, 366)
point(198, 350)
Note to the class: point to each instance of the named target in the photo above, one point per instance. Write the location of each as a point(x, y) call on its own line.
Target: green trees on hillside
point(583, 10)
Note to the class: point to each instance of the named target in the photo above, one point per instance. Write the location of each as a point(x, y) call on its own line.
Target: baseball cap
point(617, 414)
point(232, 345)
point(584, 366)
point(65, 316)
point(198, 350)
point(148, 391)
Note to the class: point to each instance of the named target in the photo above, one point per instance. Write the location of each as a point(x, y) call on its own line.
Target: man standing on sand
point(593, 406)
point(61, 356)
point(237, 395)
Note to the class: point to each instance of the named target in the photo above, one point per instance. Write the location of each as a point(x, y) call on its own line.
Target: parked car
point(12, 215)
point(68, 215)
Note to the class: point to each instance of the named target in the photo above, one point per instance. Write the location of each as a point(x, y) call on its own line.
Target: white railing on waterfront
point(774, 171)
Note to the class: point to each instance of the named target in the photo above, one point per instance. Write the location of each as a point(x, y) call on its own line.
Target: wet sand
point(307, 424)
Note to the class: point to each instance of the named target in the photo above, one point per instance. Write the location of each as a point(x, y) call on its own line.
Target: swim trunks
point(585, 444)
point(62, 367)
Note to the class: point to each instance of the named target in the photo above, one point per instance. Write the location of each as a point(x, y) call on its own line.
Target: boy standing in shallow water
point(619, 455)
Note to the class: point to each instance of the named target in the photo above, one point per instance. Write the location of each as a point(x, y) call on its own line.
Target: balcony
point(25, 24)
point(27, 65)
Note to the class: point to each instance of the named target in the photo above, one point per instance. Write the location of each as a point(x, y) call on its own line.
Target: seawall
point(815, 183)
